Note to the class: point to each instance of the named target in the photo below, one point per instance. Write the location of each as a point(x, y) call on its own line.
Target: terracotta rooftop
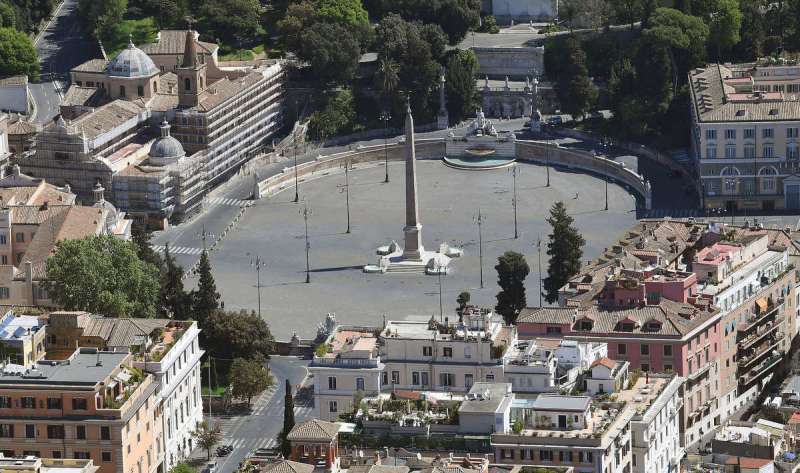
point(605, 361)
point(314, 430)
point(173, 43)
point(287, 466)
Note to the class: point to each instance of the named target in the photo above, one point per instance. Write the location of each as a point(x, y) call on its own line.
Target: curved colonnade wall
point(526, 151)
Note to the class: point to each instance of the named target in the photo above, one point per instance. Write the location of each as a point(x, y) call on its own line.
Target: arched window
point(201, 83)
point(122, 91)
point(140, 91)
point(155, 86)
point(767, 179)
point(730, 179)
point(187, 84)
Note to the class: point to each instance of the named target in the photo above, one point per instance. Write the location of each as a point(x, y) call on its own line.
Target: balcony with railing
point(754, 337)
point(764, 314)
point(752, 355)
point(339, 362)
point(761, 369)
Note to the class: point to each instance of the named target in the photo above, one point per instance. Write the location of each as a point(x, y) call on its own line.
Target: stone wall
point(580, 160)
point(529, 151)
point(433, 148)
point(516, 63)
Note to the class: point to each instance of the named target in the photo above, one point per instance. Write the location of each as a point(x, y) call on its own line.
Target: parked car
point(555, 120)
point(211, 467)
point(224, 450)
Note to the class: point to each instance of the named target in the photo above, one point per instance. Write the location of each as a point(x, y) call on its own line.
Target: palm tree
point(387, 75)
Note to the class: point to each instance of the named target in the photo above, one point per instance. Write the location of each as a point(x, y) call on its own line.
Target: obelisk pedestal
point(412, 257)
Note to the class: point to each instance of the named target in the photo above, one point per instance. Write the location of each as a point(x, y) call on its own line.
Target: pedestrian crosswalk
point(251, 444)
point(179, 250)
point(302, 412)
point(228, 201)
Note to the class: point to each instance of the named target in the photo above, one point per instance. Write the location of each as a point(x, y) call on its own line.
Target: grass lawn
point(143, 31)
point(230, 54)
point(218, 391)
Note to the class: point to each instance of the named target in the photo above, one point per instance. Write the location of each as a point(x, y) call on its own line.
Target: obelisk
point(412, 250)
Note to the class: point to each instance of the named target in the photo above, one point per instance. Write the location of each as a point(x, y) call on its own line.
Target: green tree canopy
point(462, 68)
point(565, 249)
point(575, 91)
point(347, 13)
point(103, 275)
point(8, 15)
point(17, 54)
point(332, 52)
point(724, 26)
point(205, 300)
point(174, 302)
point(207, 436)
point(337, 117)
point(182, 468)
point(100, 17)
point(683, 34)
point(240, 334)
point(512, 269)
point(249, 378)
point(232, 21)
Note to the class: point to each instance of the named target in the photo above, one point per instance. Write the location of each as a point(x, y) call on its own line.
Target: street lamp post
point(305, 213)
point(604, 144)
point(296, 180)
point(346, 190)
point(547, 161)
point(385, 116)
point(514, 200)
point(257, 263)
point(439, 267)
point(539, 250)
point(479, 220)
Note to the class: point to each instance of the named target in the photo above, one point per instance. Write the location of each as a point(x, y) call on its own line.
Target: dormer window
point(585, 324)
point(653, 325)
point(626, 327)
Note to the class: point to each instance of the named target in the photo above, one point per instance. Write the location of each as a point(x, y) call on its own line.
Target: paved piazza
point(449, 200)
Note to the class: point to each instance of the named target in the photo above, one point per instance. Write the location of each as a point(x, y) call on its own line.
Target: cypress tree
point(565, 249)
point(206, 298)
point(174, 301)
point(512, 269)
point(288, 420)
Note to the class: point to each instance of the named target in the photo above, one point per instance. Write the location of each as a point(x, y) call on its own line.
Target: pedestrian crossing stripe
point(228, 201)
point(179, 250)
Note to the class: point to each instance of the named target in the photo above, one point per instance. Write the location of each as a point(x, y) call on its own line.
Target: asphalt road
point(260, 427)
point(60, 46)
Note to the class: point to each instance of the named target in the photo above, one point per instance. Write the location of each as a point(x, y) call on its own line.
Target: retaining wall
point(580, 160)
point(530, 151)
point(426, 149)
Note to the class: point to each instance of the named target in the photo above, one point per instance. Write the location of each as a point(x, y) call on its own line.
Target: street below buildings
point(61, 45)
point(247, 431)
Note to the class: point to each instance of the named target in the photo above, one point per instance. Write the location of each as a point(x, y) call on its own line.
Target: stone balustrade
point(528, 151)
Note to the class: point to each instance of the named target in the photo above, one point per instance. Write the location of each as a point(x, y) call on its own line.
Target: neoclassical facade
point(746, 135)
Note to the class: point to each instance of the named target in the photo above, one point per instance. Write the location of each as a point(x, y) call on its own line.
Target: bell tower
point(191, 74)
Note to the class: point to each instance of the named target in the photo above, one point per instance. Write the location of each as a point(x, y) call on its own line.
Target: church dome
point(166, 149)
point(132, 62)
point(100, 202)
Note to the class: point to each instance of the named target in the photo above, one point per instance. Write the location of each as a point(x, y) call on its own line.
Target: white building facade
point(178, 375)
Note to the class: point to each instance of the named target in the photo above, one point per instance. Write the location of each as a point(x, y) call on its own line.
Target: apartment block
point(633, 431)
point(21, 339)
point(167, 349)
point(445, 357)
point(745, 126)
point(349, 366)
point(92, 405)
